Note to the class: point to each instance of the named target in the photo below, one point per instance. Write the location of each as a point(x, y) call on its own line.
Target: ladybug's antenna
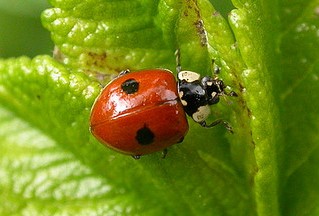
point(230, 94)
point(178, 60)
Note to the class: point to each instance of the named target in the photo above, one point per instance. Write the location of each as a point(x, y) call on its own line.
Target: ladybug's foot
point(164, 153)
point(136, 157)
point(217, 122)
point(123, 72)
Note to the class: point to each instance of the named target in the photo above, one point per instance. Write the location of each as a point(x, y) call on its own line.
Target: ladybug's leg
point(123, 72)
point(217, 122)
point(164, 153)
point(136, 157)
point(178, 61)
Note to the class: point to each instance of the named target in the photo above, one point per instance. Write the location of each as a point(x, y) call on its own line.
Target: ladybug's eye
point(130, 86)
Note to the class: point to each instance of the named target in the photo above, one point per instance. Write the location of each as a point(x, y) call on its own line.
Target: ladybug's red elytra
point(139, 113)
point(143, 112)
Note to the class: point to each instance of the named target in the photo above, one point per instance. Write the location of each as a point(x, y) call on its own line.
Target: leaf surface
point(50, 163)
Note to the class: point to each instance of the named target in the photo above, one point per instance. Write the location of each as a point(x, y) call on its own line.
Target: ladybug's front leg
point(217, 122)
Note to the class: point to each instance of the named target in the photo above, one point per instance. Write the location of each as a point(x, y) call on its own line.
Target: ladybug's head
point(214, 88)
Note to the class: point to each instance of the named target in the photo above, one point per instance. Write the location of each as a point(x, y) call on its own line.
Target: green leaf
point(299, 98)
point(51, 165)
point(106, 37)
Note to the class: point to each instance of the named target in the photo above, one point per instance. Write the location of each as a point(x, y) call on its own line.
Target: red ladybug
point(139, 113)
point(143, 112)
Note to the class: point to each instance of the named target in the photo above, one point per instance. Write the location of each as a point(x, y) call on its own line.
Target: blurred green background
point(21, 31)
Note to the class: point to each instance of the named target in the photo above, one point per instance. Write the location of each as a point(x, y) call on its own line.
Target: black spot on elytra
point(130, 86)
point(144, 136)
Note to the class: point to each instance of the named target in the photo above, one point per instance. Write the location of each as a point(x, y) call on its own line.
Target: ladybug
point(143, 112)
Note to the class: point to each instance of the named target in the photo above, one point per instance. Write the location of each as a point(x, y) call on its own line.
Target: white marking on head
point(189, 76)
point(209, 83)
point(201, 114)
